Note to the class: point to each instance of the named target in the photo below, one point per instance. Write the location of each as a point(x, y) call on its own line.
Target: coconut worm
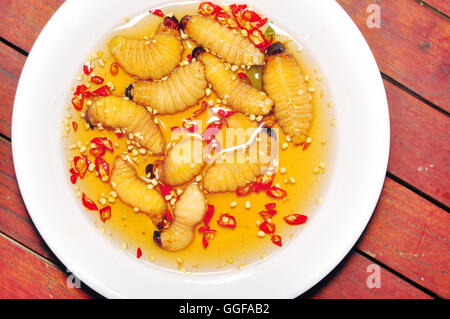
point(153, 58)
point(239, 95)
point(183, 162)
point(242, 164)
point(181, 90)
point(120, 113)
point(189, 212)
point(134, 192)
point(284, 81)
point(231, 46)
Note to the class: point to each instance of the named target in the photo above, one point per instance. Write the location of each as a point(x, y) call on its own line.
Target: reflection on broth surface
point(184, 164)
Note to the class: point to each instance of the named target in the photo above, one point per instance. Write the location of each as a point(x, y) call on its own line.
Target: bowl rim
point(23, 180)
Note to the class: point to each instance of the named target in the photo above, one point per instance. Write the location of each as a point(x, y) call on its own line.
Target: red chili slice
point(201, 110)
point(169, 216)
point(166, 189)
point(189, 125)
point(276, 192)
point(268, 213)
point(212, 130)
point(245, 190)
point(296, 219)
point(102, 91)
point(97, 79)
point(87, 69)
point(227, 221)
point(276, 239)
point(251, 16)
point(264, 182)
point(305, 146)
point(103, 142)
point(88, 203)
point(157, 12)
point(223, 18)
point(208, 236)
point(98, 151)
point(225, 113)
point(261, 23)
point(78, 103)
point(263, 48)
point(270, 206)
point(268, 228)
point(81, 165)
point(244, 77)
point(75, 126)
point(208, 8)
point(114, 68)
point(208, 215)
point(105, 213)
point(80, 90)
point(139, 253)
point(237, 8)
point(102, 168)
point(73, 176)
point(189, 57)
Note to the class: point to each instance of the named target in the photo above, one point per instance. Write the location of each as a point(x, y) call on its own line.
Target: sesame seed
point(261, 234)
point(208, 91)
point(316, 170)
point(285, 146)
point(322, 165)
point(309, 140)
point(333, 122)
point(136, 209)
point(248, 205)
point(233, 204)
point(283, 170)
point(124, 246)
point(292, 179)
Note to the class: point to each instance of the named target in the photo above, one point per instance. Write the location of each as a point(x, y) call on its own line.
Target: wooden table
point(409, 234)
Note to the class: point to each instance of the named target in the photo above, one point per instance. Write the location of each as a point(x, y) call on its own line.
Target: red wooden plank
point(25, 275)
point(440, 5)
point(14, 218)
point(419, 144)
point(11, 64)
point(411, 236)
point(23, 20)
point(411, 46)
point(349, 281)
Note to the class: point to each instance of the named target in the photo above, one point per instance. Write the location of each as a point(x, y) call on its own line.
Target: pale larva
point(285, 83)
point(189, 212)
point(239, 95)
point(231, 46)
point(119, 113)
point(134, 192)
point(183, 162)
point(151, 58)
point(181, 90)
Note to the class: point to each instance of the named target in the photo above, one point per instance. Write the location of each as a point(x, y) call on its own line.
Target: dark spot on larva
point(86, 117)
point(171, 22)
point(276, 48)
point(149, 171)
point(128, 92)
point(184, 21)
point(197, 52)
point(269, 131)
point(157, 238)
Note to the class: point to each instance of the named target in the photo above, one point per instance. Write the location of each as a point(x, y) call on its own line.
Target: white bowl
point(362, 138)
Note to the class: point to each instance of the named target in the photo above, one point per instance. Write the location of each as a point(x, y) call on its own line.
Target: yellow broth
point(230, 249)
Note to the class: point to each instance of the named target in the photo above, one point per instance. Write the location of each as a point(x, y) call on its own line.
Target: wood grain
point(14, 218)
point(24, 275)
point(11, 64)
point(411, 236)
point(349, 281)
point(411, 46)
point(23, 20)
point(419, 144)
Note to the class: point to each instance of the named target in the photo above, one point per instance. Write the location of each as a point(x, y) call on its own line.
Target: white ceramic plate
point(362, 137)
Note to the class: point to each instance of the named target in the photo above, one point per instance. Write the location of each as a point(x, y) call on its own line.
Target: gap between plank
point(417, 191)
point(436, 11)
point(13, 46)
point(399, 275)
point(417, 96)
